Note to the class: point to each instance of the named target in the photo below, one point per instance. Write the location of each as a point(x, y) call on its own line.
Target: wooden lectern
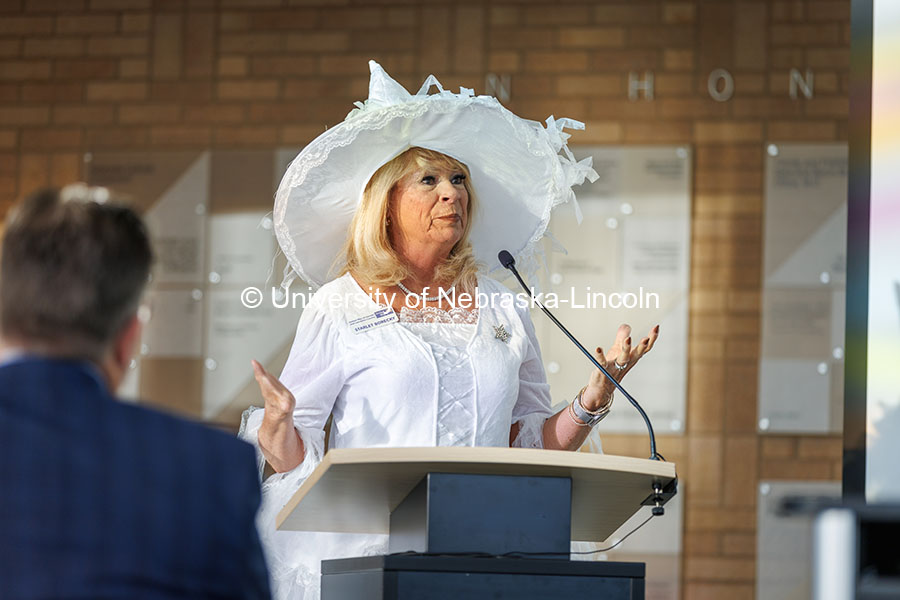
point(451, 513)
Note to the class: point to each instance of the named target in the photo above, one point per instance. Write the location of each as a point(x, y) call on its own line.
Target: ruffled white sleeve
point(532, 407)
point(314, 372)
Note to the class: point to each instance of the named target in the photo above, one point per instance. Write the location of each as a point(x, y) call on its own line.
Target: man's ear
point(125, 344)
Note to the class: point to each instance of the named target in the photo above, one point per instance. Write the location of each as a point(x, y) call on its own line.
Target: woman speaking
point(397, 215)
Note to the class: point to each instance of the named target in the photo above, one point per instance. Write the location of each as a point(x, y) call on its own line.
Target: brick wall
point(83, 75)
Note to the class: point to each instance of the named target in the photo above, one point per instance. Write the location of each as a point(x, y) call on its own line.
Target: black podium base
point(452, 578)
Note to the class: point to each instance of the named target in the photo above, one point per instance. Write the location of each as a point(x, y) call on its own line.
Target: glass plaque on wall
point(627, 262)
point(801, 373)
point(171, 190)
point(208, 214)
point(249, 317)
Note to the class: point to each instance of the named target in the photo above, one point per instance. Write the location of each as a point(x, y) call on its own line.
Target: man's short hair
point(72, 270)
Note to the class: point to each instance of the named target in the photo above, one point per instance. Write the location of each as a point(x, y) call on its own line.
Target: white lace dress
point(432, 378)
point(447, 334)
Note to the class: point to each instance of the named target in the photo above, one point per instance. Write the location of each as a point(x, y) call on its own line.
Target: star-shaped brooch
point(501, 333)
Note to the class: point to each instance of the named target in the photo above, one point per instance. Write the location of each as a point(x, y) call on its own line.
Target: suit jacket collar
point(15, 356)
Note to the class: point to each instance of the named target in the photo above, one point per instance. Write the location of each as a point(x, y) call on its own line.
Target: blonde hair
point(368, 253)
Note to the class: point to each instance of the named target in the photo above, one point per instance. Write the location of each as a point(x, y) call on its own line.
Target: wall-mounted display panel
point(628, 262)
point(801, 374)
point(208, 214)
point(241, 252)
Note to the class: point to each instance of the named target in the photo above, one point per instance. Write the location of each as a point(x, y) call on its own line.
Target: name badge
point(380, 318)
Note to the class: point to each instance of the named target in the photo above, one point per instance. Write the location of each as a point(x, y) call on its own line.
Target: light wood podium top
point(355, 489)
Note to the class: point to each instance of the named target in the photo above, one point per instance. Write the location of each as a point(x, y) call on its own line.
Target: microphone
point(508, 262)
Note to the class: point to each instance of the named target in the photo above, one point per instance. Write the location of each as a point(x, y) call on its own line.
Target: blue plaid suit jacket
point(102, 499)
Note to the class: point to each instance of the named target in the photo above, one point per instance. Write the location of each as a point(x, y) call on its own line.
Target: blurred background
point(719, 130)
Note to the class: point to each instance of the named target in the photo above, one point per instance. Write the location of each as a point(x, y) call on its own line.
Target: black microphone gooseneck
point(507, 260)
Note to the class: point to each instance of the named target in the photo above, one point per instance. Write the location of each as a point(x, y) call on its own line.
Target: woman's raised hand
point(279, 400)
point(621, 358)
point(278, 439)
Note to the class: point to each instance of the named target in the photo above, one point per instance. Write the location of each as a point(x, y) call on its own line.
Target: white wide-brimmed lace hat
point(519, 171)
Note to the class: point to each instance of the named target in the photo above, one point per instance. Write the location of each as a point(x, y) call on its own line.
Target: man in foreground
point(98, 498)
